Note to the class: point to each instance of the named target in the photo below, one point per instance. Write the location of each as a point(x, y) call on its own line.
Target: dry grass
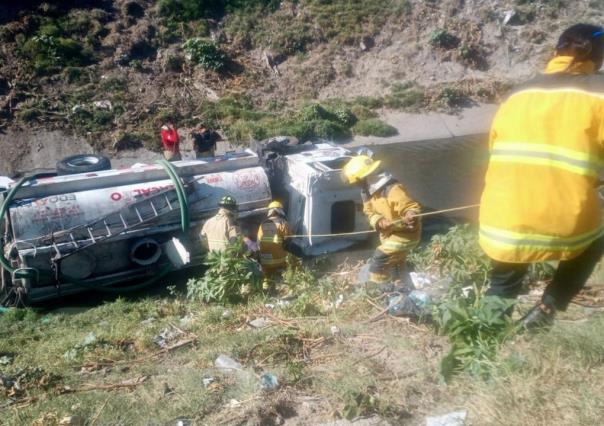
point(329, 364)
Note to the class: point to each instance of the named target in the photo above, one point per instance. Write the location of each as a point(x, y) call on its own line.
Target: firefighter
point(271, 239)
point(540, 200)
point(170, 141)
point(223, 229)
point(391, 212)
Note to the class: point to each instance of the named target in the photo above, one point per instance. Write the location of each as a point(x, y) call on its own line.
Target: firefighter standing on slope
point(223, 229)
point(390, 211)
point(540, 201)
point(272, 235)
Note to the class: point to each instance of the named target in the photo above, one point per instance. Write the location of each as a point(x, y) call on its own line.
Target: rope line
point(344, 234)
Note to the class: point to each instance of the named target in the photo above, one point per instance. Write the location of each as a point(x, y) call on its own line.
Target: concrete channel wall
point(440, 158)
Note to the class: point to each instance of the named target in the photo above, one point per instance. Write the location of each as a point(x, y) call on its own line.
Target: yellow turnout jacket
point(540, 200)
point(391, 203)
point(218, 231)
point(271, 236)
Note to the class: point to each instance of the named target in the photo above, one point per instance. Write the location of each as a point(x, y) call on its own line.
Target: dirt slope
point(111, 72)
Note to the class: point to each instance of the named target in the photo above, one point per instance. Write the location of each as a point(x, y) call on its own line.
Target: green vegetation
point(48, 54)
point(231, 277)
point(374, 127)
point(144, 360)
point(443, 39)
point(205, 53)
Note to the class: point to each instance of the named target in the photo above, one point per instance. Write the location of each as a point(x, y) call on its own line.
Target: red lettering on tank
point(151, 190)
point(247, 180)
point(213, 178)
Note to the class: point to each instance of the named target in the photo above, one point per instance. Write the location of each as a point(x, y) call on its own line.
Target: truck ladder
point(70, 241)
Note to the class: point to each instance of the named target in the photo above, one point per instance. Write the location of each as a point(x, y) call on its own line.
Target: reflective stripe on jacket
point(218, 231)
point(271, 236)
point(392, 203)
point(540, 200)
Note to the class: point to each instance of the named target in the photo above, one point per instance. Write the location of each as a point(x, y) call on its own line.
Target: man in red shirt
point(170, 142)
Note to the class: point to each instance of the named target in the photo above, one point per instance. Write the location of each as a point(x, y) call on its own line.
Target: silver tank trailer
point(58, 203)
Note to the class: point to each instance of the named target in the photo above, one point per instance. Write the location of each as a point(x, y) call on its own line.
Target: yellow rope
point(394, 222)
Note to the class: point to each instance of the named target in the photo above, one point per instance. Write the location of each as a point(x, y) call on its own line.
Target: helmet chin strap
point(378, 181)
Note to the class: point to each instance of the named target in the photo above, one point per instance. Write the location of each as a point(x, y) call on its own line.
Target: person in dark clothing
point(204, 141)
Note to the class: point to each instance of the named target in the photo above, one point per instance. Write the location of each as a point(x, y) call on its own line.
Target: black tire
point(83, 163)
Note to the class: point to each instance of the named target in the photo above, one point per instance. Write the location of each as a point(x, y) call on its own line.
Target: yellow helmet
point(275, 205)
point(359, 168)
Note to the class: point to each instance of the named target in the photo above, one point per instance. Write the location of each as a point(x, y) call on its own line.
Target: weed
point(28, 114)
point(230, 277)
point(370, 102)
point(443, 39)
point(374, 127)
point(362, 112)
point(451, 97)
point(206, 53)
point(174, 63)
point(476, 329)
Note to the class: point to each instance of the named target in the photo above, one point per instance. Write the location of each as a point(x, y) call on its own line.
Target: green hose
point(9, 198)
point(180, 192)
point(184, 220)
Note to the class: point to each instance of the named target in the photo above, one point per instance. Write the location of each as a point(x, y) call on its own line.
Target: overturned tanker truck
point(126, 228)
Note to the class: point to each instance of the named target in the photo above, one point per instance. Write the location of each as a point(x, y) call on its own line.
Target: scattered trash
point(339, 301)
point(6, 359)
point(420, 298)
point(88, 342)
point(106, 105)
point(227, 314)
point(77, 108)
point(183, 422)
point(72, 421)
point(335, 331)
point(421, 279)
point(456, 418)
point(233, 403)
point(166, 336)
point(89, 339)
point(269, 306)
point(186, 320)
point(415, 304)
point(207, 381)
point(148, 321)
point(508, 16)
point(269, 382)
point(260, 323)
point(226, 364)
point(45, 319)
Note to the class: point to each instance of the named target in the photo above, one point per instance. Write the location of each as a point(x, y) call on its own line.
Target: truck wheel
point(83, 163)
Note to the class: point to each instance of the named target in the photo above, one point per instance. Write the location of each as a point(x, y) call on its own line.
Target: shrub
point(363, 113)
point(370, 102)
point(443, 39)
point(48, 53)
point(331, 130)
point(174, 63)
point(451, 97)
point(28, 114)
point(205, 53)
point(374, 127)
point(231, 277)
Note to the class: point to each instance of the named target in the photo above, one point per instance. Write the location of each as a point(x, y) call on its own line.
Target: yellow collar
point(565, 64)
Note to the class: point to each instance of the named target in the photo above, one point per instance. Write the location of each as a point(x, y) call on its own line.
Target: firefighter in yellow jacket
point(223, 229)
point(272, 235)
point(540, 201)
point(390, 210)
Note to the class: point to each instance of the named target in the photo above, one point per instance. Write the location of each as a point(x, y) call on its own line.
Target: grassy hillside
point(114, 70)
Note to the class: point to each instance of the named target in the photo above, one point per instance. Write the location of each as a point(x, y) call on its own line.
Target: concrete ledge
point(431, 126)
